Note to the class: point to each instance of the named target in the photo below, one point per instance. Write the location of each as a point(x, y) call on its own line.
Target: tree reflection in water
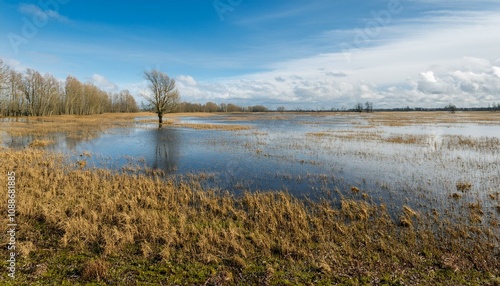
point(166, 149)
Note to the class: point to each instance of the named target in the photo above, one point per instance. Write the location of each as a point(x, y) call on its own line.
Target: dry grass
point(464, 186)
point(95, 270)
point(453, 142)
point(418, 118)
point(190, 114)
point(407, 139)
point(354, 135)
point(374, 135)
point(40, 143)
point(115, 228)
point(224, 127)
point(85, 127)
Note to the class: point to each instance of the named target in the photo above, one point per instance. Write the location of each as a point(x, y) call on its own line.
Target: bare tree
point(4, 100)
point(358, 107)
point(369, 107)
point(124, 102)
point(211, 107)
point(451, 108)
point(73, 89)
point(165, 96)
point(32, 88)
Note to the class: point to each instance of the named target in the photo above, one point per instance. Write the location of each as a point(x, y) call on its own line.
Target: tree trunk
point(160, 119)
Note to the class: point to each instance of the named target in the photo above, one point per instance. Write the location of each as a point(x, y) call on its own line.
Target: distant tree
point(4, 101)
point(124, 102)
point(258, 108)
point(280, 109)
point(4, 74)
point(31, 93)
point(190, 107)
point(223, 107)
point(234, 108)
point(211, 107)
point(368, 107)
point(164, 96)
point(73, 95)
point(358, 107)
point(451, 108)
point(32, 85)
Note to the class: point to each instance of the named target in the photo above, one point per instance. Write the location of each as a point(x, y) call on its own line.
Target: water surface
point(304, 154)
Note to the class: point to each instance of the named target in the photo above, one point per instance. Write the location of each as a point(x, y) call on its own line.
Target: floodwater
point(306, 155)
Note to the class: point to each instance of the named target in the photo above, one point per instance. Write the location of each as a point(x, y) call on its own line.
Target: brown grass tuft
point(40, 143)
point(405, 221)
point(464, 186)
point(95, 270)
point(81, 163)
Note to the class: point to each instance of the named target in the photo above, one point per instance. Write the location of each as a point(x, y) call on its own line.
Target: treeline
point(451, 108)
point(359, 107)
point(33, 94)
point(368, 107)
point(223, 107)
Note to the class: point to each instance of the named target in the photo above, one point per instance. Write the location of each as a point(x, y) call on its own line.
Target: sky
point(319, 54)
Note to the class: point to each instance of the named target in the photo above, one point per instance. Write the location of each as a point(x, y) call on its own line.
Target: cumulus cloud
point(103, 83)
point(186, 80)
point(428, 83)
point(496, 71)
point(427, 67)
point(473, 83)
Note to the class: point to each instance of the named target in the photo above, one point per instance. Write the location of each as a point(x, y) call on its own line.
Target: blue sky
point(294, 53)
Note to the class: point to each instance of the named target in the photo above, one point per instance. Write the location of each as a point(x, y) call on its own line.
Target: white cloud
point(103, 83)
point(15, 65)
point(429, 76)
point(496, 71)
point(186, 80)
point(448, 61)
point(34, 10)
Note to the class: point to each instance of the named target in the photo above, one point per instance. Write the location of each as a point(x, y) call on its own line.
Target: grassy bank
point(80, 226)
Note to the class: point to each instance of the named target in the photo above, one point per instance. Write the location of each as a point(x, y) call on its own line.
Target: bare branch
point(165, 96)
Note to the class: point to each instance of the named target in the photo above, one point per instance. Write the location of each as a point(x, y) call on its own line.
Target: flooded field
point(391, 198)
point(419, 159)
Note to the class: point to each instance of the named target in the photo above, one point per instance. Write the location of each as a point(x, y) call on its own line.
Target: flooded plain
point(427, 164)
